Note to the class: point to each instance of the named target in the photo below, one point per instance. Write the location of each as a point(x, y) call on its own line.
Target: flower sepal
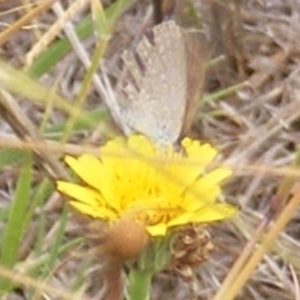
point(154, 259)
point(157, 255)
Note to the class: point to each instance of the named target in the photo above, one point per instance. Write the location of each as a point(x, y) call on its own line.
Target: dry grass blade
point(241, 274)
point(41, 287)
point(26, 131)
point(9, 141)
point(54, 30)
point(6, 34)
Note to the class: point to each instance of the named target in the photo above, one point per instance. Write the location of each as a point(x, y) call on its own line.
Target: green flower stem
point(139, 284)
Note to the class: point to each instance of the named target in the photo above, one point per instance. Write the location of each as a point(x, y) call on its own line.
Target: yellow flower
point(161, 188)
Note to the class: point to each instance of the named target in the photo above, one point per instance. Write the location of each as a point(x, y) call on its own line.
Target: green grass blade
point(9, 157)
point(56, 52)
point(15, 225)
point(57, 244)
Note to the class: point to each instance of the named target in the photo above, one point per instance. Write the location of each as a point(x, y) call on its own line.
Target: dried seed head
point(127, 239)
point(192, 246)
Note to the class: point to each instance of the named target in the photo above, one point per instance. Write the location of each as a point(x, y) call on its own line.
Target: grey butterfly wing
point(151, 98)
point(154, 92)
point(196, 53)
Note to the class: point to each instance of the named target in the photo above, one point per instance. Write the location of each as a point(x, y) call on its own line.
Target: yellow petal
point(213, 213)
point(101, 212)
point(207, 188)
point(182, 219)
point(218, 175)
point(141, 144)
point(157, 230)
point(201, 154)
point(193, 202)
point(89, 168)
point(202, 195)
point(85, 200)
point(80, 193)
point(113, 153)
point(198, 158)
